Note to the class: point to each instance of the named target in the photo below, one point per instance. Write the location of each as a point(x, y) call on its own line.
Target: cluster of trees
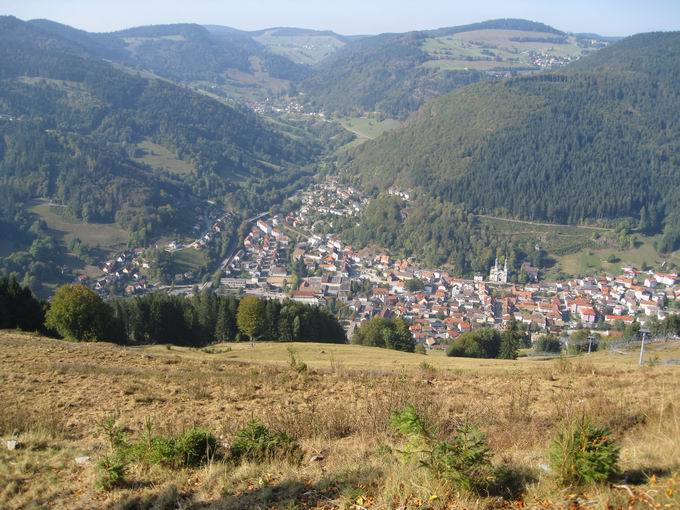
point(490, 343)
point(386, 333)
point(32, 249)
point(77, 313)
point(19, 309)
point(437, 233)
point(548, 344)
point(668, 327)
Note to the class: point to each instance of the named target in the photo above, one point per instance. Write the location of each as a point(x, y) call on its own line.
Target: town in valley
point(298, 256)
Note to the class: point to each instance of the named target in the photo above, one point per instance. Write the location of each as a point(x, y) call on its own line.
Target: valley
point(288, 268)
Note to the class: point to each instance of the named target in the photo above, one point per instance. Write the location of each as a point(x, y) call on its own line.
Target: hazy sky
point(607, 17)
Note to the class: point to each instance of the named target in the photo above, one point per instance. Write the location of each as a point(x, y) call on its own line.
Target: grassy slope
point(352, 357)
point(110, 238)
point(449, 53)
point(188, 260)
point(589, 256)
point(157, 156)
point(369, 129)
point(92, 234)
point(302, 49)
point(56, 393)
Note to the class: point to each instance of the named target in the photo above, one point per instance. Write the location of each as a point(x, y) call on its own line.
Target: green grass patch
point(108, 236)
point(495, 49)
point(582, 250)
point(161, 158)
point(188, 260)
point(303, 49)
point(369, 129)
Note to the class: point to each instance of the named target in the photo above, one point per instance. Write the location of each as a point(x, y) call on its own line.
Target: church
point(499, 275)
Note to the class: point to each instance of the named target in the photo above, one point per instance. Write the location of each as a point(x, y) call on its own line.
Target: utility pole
point(590, 343)
point(642, 348)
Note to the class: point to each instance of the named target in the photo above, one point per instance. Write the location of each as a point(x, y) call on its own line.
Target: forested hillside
point(181, 52)
point(596, 141)
point(395, 74)
point(71, 126)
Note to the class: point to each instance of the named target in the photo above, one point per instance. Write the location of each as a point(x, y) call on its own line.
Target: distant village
point(298, 256)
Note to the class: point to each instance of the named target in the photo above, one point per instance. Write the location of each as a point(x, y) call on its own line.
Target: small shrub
point(195, 447)
point(464, 460)
point(114, 433)
point(111, 471)
point(420, 349)
point(548, 344)
point(257, 443)
point(156, 450)
point(427, 369)
point(583, 454)
point(294, 362)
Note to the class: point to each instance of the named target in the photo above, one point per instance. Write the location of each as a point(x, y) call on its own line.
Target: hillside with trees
point(70, 129)
point(395, 74)
point(596, 142)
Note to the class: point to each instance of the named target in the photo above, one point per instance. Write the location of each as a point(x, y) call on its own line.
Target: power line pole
point(642, 348)
point(590, 343)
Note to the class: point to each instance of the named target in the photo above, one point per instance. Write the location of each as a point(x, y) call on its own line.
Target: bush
point(420, 349)
point(583, 454)
point(484, 343)
point(257, 443)
point(191, 449)
point(548, 343)
point(463, 461)
point(386, 333)
point(111, 472)
point(195, 447)
point(294, 362)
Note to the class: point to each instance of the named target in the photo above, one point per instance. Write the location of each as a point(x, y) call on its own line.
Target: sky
point(349, 17)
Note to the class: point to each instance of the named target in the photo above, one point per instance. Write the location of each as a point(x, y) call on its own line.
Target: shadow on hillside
point(283, 495)
point(294, 493)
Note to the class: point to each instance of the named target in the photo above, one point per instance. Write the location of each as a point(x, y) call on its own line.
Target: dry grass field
point(56, 395)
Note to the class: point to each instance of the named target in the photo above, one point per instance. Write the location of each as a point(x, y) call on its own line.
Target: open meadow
point(582, 250)
point(60, 401)
point(109, 237)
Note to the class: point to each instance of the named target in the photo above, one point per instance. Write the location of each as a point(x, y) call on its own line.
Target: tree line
point(77, 313)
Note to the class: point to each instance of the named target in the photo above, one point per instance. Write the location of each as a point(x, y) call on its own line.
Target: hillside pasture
point(57, 396)
point(107, 236)
point(486, 50)
point(301, 49)
point(161, 158)
point(366, 129)
point(580, 250)
point(187, 260)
